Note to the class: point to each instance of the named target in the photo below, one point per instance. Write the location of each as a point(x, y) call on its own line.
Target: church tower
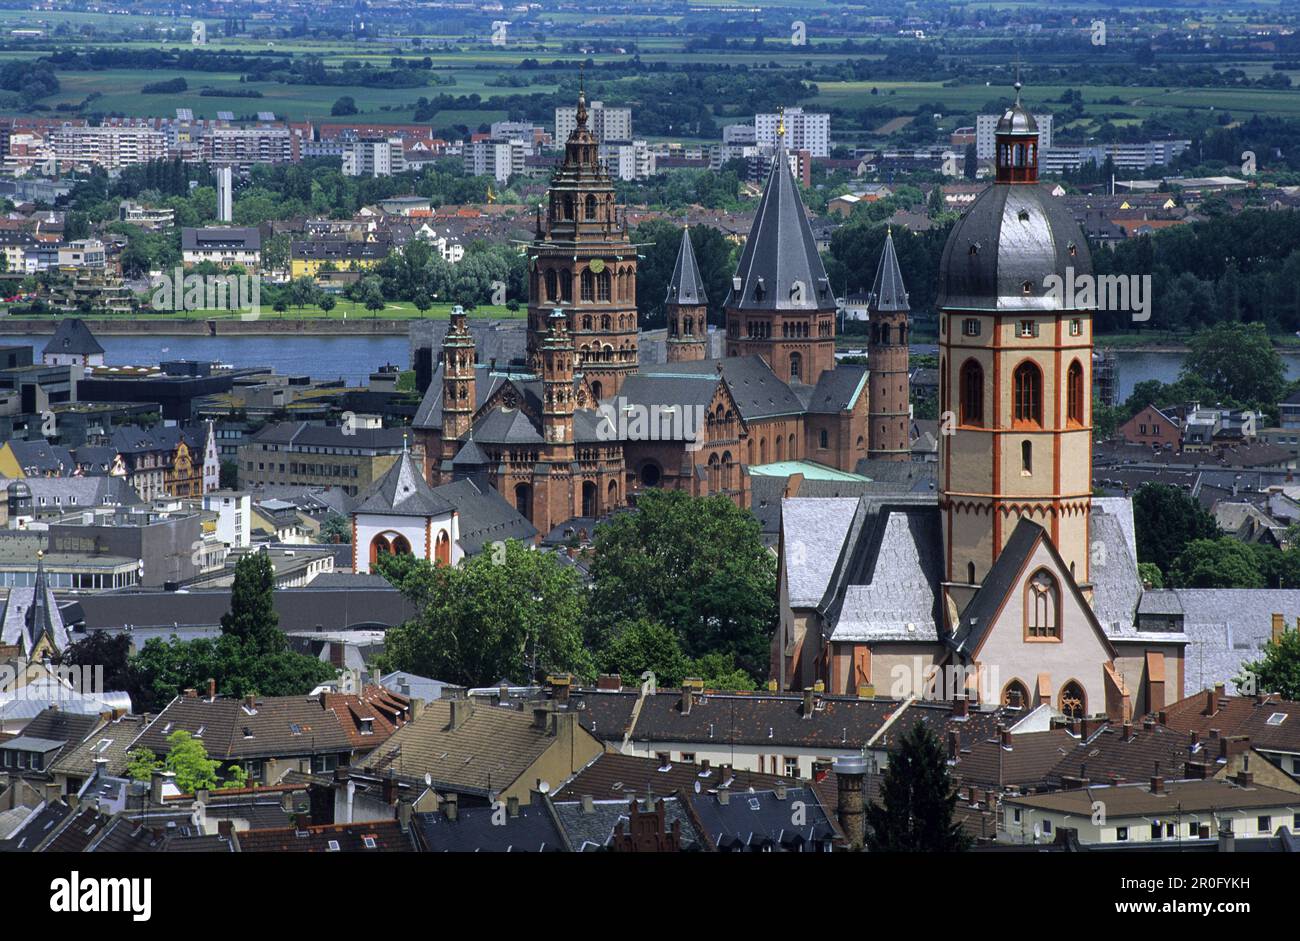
point(581, 261)
point(458, 394)
point(887, 355)
point(1015, 364)
point(557, 389)
point(687, 307)
point(781, 306)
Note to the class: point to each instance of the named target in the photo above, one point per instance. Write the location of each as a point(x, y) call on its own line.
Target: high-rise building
point(373, 157)
point(603, 123)
point(804, 130)
point(108, 147)
point(499, 159)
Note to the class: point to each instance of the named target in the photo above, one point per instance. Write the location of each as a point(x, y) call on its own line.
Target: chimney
point(512, 806)
point(1091, 727)
point(1194, 739)
point(560, 684)
point(1148, 723)
point(1197, 770)
point(688, 699)
point(286, 802)
point(225, 828)
point(191, 693)
point(954, 744)
point(157, 782)
point(1128, 732)
point(780, 792)
point(503, 694)
point(1245, 777)
point(450, 806)
point(404, 815)
point(1076, 728)
point(461, 710)
point(866, 691)
point(1279, 627)
point(1005, 735)
point(609, 681)
point(1157, 781)
point(1227, 841)
point(541, 716)
point(588, 804)
point(250, 702)
point(212, 689)
point(850, 775)
point(809, 702)
point(724, 796)
point(960, 708)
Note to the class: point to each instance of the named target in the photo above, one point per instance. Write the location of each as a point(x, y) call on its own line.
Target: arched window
point(1015, 695)
point(1042, 607)
point(442, 549)
point(552, 288)
point(1028, 400)
point(1026, 457)
point(796, 367)
point(597, 391)
point(1074, 393)
point(970, 573)
point(568, 207)
point(613, 495)
point(603, 285)
point(780, 449)
point(401, 546)
point(1073, 701)
point(823, 439)
point(379, 546)
point(591, 208)
point(566, 286)
point(972, 393)
point(588, 498)
point(524, 500)
point(588, 285)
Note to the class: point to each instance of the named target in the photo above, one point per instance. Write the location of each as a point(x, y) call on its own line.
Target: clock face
point(597, 265)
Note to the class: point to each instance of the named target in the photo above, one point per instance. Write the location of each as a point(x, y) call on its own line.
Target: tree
point(1150, 575)
point(187, 758)
point(1279, 670)
point(102, 649)
point(141, 764)
point(696, 565)
point(326, 303)
point(1216, 563)
point(1238, 361)
point(252, 618)
point(508, 611)
point(1166, 520)
point(336, 528)
point(641, 645)
point(915, 813)
point(344, 106)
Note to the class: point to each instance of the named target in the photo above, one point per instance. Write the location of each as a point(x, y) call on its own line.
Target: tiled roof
point(531, 829)
point(1272, 723)
point(611, 776)
point(1026, 761)
point(110, 742)
point(275, 726)
point(373, 836)
point(1109, 756)
point(1129, 800)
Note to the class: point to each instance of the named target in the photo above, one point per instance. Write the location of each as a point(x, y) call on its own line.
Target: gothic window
point(568, 207)
point(606, 323)
point(442, 550)
point(566, 286)
point(972, 393)
point(588, 285)
point(823, 440)
point(1015, 695)
point(1073, 701)
point(552, 288)
point(796, 367)
point(591, 208)
point(1026, 457)
point(970, 573)
point(603, 286)
point(1042, 607)
point(1074, 393)
point(586, 321)
point(1028, 384)
point(884, 334)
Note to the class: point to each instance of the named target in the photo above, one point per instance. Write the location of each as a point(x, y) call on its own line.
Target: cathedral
point(581, 425)
point(1011, 584)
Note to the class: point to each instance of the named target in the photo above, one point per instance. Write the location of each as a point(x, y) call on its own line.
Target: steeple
point(1016, 137)
point(780, 305)
point(887, 360)
point(686, 307)
point(458, 395)
point(557, 387)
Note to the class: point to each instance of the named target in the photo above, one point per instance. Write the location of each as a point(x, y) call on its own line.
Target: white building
point(234, 516)
point(399, 515)
point(628, 160)
point(499, 159)
point(108, 147)
point(810, 131)
point(225, 194)
point(82, 254)
point(1125, 156)
point(604, 123)
point(986, 123)
point(372, 157)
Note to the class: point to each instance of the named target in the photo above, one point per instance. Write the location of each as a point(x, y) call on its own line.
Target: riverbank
point(168, 326)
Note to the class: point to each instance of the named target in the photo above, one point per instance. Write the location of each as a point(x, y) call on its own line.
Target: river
point(354, 358)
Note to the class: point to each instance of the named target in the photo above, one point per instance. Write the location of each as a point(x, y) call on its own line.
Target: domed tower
point(1015, 369)
point(687, 307)
point(581, 261)
point(887, 421)
point(781, 306)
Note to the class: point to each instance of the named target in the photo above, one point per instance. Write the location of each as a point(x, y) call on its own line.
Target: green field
point(346, 310)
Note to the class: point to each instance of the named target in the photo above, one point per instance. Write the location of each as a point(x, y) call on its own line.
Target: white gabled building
point(401, 515)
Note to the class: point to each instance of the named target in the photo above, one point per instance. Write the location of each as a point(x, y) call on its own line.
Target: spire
point(686, 287)
point(780, 268)
point(888, 293)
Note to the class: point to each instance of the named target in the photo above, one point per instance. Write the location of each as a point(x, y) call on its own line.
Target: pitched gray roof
point(402, 491)
point(485, 515)
point(780, 252)
point(983, 608)
point(1227, 628)
point(814, 533)
point(758, 391)
point(73, 338)
point(686, 287)
point(888, 295)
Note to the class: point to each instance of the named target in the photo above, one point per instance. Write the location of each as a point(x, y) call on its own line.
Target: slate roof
point(506, 426)
point(372, 836)
point(888, 294)
point(39, 458)
point(36, 829)
point(757, 391)
point(68, 493)
point(57, 725)
point(31, 614)
point(72, 338)
point(611, 775)
point(780, 251)
point(485, 516)
point(1019, 234)
point(836, 390)
point(303, 434)
point(276, 726)
point(1108, 757)
point(589, 830)
point(1227, 628)
point(749, 822)
point(980, 613)
point(531, 830)
point(111, 742)
point(815, 530)
point(218, 237)
point(1186, 797)
point(604, 713)
point(403, 491)
point(686, 286)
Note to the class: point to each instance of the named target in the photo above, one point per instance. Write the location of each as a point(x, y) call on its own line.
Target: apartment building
point(804, 130)
point(986, 124)
point(373, 157)
point(499, 159)
point(244, 146)
point(604, 123)
point(1125, 156)
point(304, 455)
point(628, 160)
point(107, 147)
point(222, 245)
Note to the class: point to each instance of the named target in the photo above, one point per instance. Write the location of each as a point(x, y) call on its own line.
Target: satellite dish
point(543, 787)
point(428, 779)
point(1038, 830)
point(697, 787)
